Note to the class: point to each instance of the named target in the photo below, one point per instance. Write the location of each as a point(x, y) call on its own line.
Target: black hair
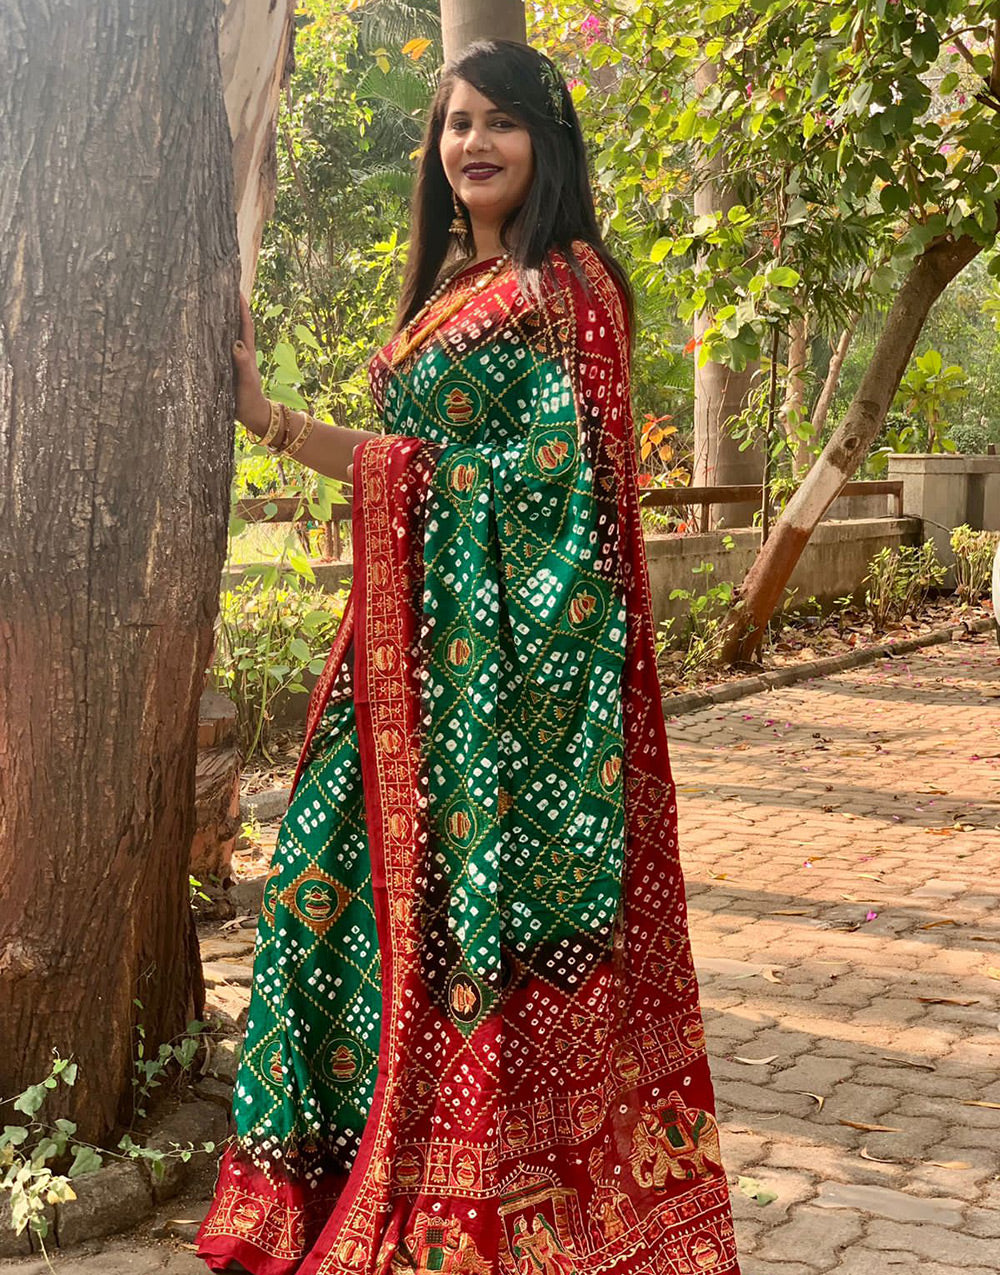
point(559, 207)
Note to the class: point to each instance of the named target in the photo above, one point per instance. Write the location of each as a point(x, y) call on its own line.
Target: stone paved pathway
point(842, 847)
point(841, 841)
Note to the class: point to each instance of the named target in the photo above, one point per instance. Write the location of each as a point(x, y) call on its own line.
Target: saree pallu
point(474, 1042)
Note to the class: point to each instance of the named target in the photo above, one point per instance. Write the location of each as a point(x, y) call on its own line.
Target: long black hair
point(559, 206)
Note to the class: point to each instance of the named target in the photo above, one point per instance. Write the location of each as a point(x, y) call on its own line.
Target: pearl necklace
point(413, 335)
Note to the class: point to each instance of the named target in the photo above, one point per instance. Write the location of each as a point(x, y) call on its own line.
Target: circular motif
point(553, 451)
point(464, 998)
point(611, 768)
point(316, 900)
point(342, 1060)
point(459, 649)
point(270, 898)
point(273, 1066)
point(458, 403)
point(586, 606)
point(464, 474)
point(460, 824)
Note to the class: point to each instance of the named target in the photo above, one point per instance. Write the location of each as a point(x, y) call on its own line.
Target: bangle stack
point(276, 439)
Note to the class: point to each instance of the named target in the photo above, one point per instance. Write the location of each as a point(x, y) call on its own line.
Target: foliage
point(699, 636)
point(900, 580)
point(275, 627)
point(173, 1057)
point(927, 390)
point(40, 1159)
point(974, 552)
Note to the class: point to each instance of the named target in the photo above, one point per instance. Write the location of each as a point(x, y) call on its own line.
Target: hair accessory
point(552, 82)
point(459, 225)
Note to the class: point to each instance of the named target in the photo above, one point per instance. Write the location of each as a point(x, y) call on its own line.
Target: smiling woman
point(474, 1042)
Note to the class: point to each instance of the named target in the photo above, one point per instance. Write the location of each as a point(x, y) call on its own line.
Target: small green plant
point(699, 636)
point(172, 1058)
point(40, 1159)
point(274, 628)
point(900, 580)
point(973, 552)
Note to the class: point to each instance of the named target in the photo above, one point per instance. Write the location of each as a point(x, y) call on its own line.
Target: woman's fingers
point(246, 322)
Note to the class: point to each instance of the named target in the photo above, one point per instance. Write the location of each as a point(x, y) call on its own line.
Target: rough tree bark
point(256, 50)
point(720, 394)
point(764, 583)
point(793, 406)
point(118, 307)
point(822, 409)
point(463, 21)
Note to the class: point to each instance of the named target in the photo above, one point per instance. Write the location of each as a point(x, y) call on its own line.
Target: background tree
point(463, 21)
point(118, 281)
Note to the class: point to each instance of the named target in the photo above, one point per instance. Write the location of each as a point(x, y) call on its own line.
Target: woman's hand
point(252, 408)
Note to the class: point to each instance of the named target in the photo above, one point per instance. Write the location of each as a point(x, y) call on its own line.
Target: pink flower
point(872, 916)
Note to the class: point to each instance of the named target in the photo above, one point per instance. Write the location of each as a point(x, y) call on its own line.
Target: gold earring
point(458, 226)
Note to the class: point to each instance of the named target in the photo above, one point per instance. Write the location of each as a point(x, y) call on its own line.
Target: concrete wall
point(833, 564)
point(948, 491)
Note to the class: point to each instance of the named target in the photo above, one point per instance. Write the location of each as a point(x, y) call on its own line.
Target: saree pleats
point(474, 1042)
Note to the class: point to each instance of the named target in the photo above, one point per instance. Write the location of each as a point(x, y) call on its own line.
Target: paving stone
point(813, 1231)
point(217, 972)
point(885, 1202)
point(932, 1243)
point(858, 1261)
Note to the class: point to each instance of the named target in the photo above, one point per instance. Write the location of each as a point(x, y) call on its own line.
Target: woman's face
point(486, 154)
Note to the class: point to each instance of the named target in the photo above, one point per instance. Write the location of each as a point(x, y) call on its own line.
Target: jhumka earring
point(459, 226)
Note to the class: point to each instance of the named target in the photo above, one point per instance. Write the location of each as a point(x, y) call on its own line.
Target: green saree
point(474, 1043)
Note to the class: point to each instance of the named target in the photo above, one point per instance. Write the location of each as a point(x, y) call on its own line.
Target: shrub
point(973, 552)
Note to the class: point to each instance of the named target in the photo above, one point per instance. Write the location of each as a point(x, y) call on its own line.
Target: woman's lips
point(480, 172)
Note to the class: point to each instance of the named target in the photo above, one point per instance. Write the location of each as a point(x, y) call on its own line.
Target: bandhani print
point(474, 1042)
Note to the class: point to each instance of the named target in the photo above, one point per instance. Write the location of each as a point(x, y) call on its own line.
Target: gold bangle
point(273, 423)
point(301, 436)
point(281, 441)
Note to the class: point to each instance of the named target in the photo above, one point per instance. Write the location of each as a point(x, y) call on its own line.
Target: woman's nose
point(477, 139)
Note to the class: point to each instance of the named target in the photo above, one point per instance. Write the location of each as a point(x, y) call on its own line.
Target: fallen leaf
point(757, 1062)
point(768, 973)
point(932, 925)
point(950, 1164)
point(975, 1102)
point(791, 912)
point(940, 832)
point(820, 1099)
point(945, 1000)
point(993, 972)
point(870, 1128)
point(758, 1193)
point(907, 1062)
point(865, 1154)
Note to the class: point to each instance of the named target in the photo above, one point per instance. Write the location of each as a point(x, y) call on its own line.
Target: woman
point(474, 1044)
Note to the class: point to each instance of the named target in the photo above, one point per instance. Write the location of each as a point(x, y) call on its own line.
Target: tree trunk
point(765, 581)
point(822, 408)
point(256, 49)
point(720, 394)
point(118, 290)
point(463, 21)
point(793, 405)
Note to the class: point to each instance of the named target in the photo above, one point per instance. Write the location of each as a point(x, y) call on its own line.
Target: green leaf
point(29, 1102)
point(783, 277)
point(758, 1193)
point(660, 249)
point(85, 1160)
point(299, 649)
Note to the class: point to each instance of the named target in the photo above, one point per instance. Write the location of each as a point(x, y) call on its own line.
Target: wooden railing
point(289, 508)
point(705, 497)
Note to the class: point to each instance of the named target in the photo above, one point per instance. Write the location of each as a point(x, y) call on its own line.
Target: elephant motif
point(673, 1142)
